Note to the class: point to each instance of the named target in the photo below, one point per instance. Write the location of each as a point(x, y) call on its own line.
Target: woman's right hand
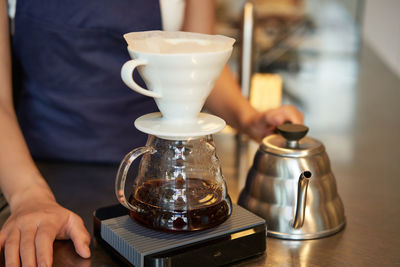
point(28, 235)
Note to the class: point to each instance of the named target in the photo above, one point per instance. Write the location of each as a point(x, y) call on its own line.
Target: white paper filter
point(177, 42)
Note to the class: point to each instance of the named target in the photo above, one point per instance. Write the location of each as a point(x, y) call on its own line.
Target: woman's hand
point(30, 231)
point(264, 123)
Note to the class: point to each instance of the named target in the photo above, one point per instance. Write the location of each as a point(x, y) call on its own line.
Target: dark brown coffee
point(180, 205)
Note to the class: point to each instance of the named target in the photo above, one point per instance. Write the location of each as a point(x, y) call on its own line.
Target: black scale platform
point(243, 235)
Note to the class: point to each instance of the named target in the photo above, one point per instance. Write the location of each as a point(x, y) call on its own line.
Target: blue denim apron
point(73, 105)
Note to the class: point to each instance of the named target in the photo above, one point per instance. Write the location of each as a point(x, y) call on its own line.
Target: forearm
point(199, 16)
point(18, 173)
point(227, 101)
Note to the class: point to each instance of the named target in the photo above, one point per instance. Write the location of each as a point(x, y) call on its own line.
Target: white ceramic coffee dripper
point(180, 70)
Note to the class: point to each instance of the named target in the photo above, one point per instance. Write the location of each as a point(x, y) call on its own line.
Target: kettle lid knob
point(292, 132)
point(291, 142)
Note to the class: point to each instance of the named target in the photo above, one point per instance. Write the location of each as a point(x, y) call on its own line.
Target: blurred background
point(307, 53)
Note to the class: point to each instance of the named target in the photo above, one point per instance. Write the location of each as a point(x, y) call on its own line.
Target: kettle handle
point(123, 171)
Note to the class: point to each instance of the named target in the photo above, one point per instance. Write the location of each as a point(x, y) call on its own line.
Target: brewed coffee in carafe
point(179, 186)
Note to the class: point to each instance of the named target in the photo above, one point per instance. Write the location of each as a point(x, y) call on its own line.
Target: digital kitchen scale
point(243, 235)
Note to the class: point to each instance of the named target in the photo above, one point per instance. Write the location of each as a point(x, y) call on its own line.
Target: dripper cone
point(179, 69)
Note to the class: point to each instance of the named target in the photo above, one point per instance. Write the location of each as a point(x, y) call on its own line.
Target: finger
point(11, 248)
point(275, 118)
point(80, 236)
point(293, 114)
point(27, 246)
point(44, 240)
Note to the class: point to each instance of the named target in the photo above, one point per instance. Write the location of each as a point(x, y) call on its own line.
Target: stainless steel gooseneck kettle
point(291, 186)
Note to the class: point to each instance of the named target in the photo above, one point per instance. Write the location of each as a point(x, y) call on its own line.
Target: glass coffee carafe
point(179, 185)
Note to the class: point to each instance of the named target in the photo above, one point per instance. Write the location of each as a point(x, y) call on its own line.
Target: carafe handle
point(126, 75)
point(123, 171)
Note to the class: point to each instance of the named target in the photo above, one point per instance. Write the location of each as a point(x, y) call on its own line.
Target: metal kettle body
point(291, 186)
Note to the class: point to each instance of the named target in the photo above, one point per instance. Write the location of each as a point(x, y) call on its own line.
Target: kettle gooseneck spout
point(302, 187)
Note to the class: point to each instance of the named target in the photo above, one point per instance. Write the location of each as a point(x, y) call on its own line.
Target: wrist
point(246, 119)
point(30, 194)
